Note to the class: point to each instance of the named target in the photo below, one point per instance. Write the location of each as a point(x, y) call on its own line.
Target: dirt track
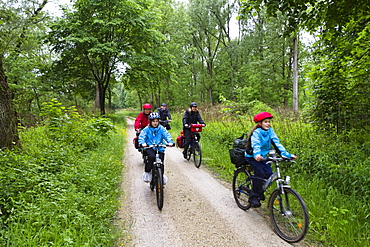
point(198, 210)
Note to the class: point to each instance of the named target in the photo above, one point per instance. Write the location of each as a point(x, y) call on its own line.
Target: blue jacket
point(261, 143)
point(153, 136)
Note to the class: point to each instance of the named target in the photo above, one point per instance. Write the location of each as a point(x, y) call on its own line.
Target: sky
point(53, 6)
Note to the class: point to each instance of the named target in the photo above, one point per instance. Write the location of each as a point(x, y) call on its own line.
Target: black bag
point(237, 152)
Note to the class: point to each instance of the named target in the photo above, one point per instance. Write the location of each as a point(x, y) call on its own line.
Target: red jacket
point(141, 121)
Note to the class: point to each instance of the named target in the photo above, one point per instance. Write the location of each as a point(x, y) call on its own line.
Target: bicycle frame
point(276, 176)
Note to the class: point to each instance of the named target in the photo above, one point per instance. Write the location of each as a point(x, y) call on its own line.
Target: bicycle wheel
point(242, 187)
point(152, 183)
point(159, 188)
point(197, 154)
point(289, 215)
point(190, 151)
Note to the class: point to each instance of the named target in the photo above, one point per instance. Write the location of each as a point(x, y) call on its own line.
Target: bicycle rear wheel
point(197, 154)
point(289, 215)
point(242, 187)
point(159, 188)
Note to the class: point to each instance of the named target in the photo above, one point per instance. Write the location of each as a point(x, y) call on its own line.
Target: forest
point(64, 77)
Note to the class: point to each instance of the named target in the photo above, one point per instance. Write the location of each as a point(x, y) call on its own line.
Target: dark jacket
point(164, 114)
point(192, 117)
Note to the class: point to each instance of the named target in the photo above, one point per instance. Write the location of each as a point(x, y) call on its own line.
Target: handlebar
point(277, 159)
point(195, 126)
point(158, 145)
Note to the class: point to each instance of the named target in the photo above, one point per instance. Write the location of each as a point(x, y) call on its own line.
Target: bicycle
point(157, 175)
point(165, 123)
point(194, 146)
point(288, 212)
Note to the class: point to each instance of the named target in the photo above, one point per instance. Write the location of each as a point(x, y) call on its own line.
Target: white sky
point(53, 6)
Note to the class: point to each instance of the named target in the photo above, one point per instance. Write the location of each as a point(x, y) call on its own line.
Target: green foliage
point(55, 187)
point(68, 127)
point(251, 108)
point(340, 75)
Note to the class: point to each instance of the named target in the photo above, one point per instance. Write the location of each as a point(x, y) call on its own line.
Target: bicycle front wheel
point(197, 154)
point(159, 188)
point(190, 150)
point(289, 215)
point(242, 187)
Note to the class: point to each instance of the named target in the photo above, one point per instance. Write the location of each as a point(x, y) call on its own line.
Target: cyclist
point(164, 113)
point(154, 134)
point(191, 116)
point(142, 120)
point(262, 136)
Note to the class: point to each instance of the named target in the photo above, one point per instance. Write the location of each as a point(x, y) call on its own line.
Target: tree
point(340, 77)
point(101, 36)
point(207, 35)
point(293, 17)
point(19, 21)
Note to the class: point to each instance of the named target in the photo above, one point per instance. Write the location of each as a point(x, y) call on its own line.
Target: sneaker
point(255, 203)
point(147, 177)
point(184, 154)
point(165, 179)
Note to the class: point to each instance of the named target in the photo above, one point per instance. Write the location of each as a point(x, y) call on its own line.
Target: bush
point(62, 188)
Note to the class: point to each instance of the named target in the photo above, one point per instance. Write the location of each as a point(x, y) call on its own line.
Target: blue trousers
point(261, 171)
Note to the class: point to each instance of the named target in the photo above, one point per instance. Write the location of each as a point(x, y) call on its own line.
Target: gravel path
point(198, 210)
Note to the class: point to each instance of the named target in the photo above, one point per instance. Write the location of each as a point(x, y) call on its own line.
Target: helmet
point(153, 115)
point(164, 104)
point(261, 116)
point(193, 104)
point(147, 106)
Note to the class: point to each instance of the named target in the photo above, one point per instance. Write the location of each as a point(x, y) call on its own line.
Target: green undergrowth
point(331, 173)
point(62, 188)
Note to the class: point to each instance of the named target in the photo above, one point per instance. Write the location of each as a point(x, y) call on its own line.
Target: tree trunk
point(295, 74)
point(8, 119)
point(97, 96)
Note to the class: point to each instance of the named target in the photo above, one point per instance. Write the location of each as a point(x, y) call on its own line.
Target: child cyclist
point(154, 134)
point(262, 136)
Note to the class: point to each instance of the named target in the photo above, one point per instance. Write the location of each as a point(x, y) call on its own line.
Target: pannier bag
point(237, 152)
point(136, 142)
point(196, 127)
point(180, 140)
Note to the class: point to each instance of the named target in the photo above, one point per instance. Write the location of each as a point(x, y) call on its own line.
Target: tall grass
point(331, 173)
point(62, 188)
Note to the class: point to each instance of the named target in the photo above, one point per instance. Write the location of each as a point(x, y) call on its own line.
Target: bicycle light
point(287, 180)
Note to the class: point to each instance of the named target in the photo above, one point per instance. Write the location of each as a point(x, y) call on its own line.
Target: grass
point(63, 196)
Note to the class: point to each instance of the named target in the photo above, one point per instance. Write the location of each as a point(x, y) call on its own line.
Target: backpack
point(237, 152)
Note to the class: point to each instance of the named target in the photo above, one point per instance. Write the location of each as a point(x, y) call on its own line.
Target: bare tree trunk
point(295, 74)
point(8, 119)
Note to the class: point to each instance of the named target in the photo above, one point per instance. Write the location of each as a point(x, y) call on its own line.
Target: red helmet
point(147, 106)
point(261, 116)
